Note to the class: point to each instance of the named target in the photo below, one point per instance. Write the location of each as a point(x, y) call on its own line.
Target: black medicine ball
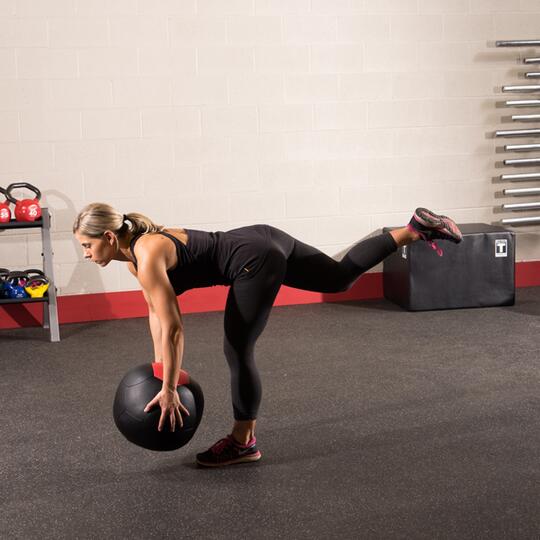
point(138, 387)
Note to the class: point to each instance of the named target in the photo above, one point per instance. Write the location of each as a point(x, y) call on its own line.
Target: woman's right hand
point(171, 408)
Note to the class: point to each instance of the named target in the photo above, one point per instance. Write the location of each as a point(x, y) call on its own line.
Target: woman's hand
point(169, 402)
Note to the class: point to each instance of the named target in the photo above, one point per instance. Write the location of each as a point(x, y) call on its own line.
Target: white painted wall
point(329, 119)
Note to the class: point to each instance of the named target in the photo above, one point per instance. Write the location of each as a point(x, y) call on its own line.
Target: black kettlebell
point(4, 273)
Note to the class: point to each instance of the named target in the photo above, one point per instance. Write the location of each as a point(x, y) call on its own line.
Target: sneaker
point(431, 227)
point(228, 452)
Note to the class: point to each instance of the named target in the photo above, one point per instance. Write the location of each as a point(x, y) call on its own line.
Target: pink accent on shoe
point(221, 444)
point(227, 441)
point(452, 226)
point(423, 237)
point(436, 248)
point(422, 221)
point(251, 442)
point(227, 451)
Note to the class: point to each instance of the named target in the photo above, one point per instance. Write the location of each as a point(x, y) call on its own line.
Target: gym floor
point(376, 423)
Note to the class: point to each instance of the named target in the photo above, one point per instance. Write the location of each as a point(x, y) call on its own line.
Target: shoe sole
point(447, 225)
point(245, 459)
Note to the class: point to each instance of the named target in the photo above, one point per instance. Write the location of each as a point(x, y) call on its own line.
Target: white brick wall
point(327, 119)
point(283, 118)
point(169, 121)
point(46, 63)
point(77, 94)
point(256, 89)
point(111, 123)
point(77, 32)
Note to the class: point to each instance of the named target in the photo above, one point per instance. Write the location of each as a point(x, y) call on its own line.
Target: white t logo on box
point(501, 248)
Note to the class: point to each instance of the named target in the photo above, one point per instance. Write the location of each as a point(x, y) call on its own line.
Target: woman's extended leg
point(310, 269)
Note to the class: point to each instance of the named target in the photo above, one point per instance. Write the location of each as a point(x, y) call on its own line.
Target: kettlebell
point(14, 285)
point(37, 283)
point(5, 210)
point(25, 209)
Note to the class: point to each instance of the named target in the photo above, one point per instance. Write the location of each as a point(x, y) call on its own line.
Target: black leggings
point(285, 261)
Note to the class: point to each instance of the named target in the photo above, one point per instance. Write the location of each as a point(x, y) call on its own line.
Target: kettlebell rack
point(50, 309)
point(531, 133)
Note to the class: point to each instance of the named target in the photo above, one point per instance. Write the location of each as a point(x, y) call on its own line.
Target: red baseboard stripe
point(126, 305)
point(528, 274)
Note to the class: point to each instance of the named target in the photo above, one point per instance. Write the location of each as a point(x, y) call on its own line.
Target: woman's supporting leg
point(247, 310)
point(248, 307)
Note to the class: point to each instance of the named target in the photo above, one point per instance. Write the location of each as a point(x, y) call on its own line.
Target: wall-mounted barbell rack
point(529, 133)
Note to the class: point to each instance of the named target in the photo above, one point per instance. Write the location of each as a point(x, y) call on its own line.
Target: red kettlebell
point(5, 210)
point(25, 209)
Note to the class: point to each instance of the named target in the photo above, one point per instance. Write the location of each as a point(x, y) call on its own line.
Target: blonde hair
point(96, 218)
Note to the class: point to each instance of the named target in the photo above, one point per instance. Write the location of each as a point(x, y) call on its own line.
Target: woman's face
point(98, 250)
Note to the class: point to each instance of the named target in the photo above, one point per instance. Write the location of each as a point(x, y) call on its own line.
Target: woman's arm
point(166, 325)
point(152, 275)
point(153, 321)
point(155, 331)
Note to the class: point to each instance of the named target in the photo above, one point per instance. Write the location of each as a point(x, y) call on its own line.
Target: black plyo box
point(477, 272)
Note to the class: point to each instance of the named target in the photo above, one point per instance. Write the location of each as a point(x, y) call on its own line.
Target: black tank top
point(214, 258)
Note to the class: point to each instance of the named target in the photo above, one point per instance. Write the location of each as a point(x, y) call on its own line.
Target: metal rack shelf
point(49, 301)
point(532, 134)
point(22, 224)
point(22, 300)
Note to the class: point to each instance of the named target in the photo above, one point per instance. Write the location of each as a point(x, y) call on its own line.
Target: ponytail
point(96, 218)
point(140, 224)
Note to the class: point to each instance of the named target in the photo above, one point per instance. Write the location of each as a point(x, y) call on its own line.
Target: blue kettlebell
point(14, 285)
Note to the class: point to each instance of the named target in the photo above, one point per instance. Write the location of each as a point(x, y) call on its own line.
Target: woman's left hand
point(171, 408)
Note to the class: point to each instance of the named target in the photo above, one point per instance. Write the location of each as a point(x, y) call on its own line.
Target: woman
point(255, 261)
